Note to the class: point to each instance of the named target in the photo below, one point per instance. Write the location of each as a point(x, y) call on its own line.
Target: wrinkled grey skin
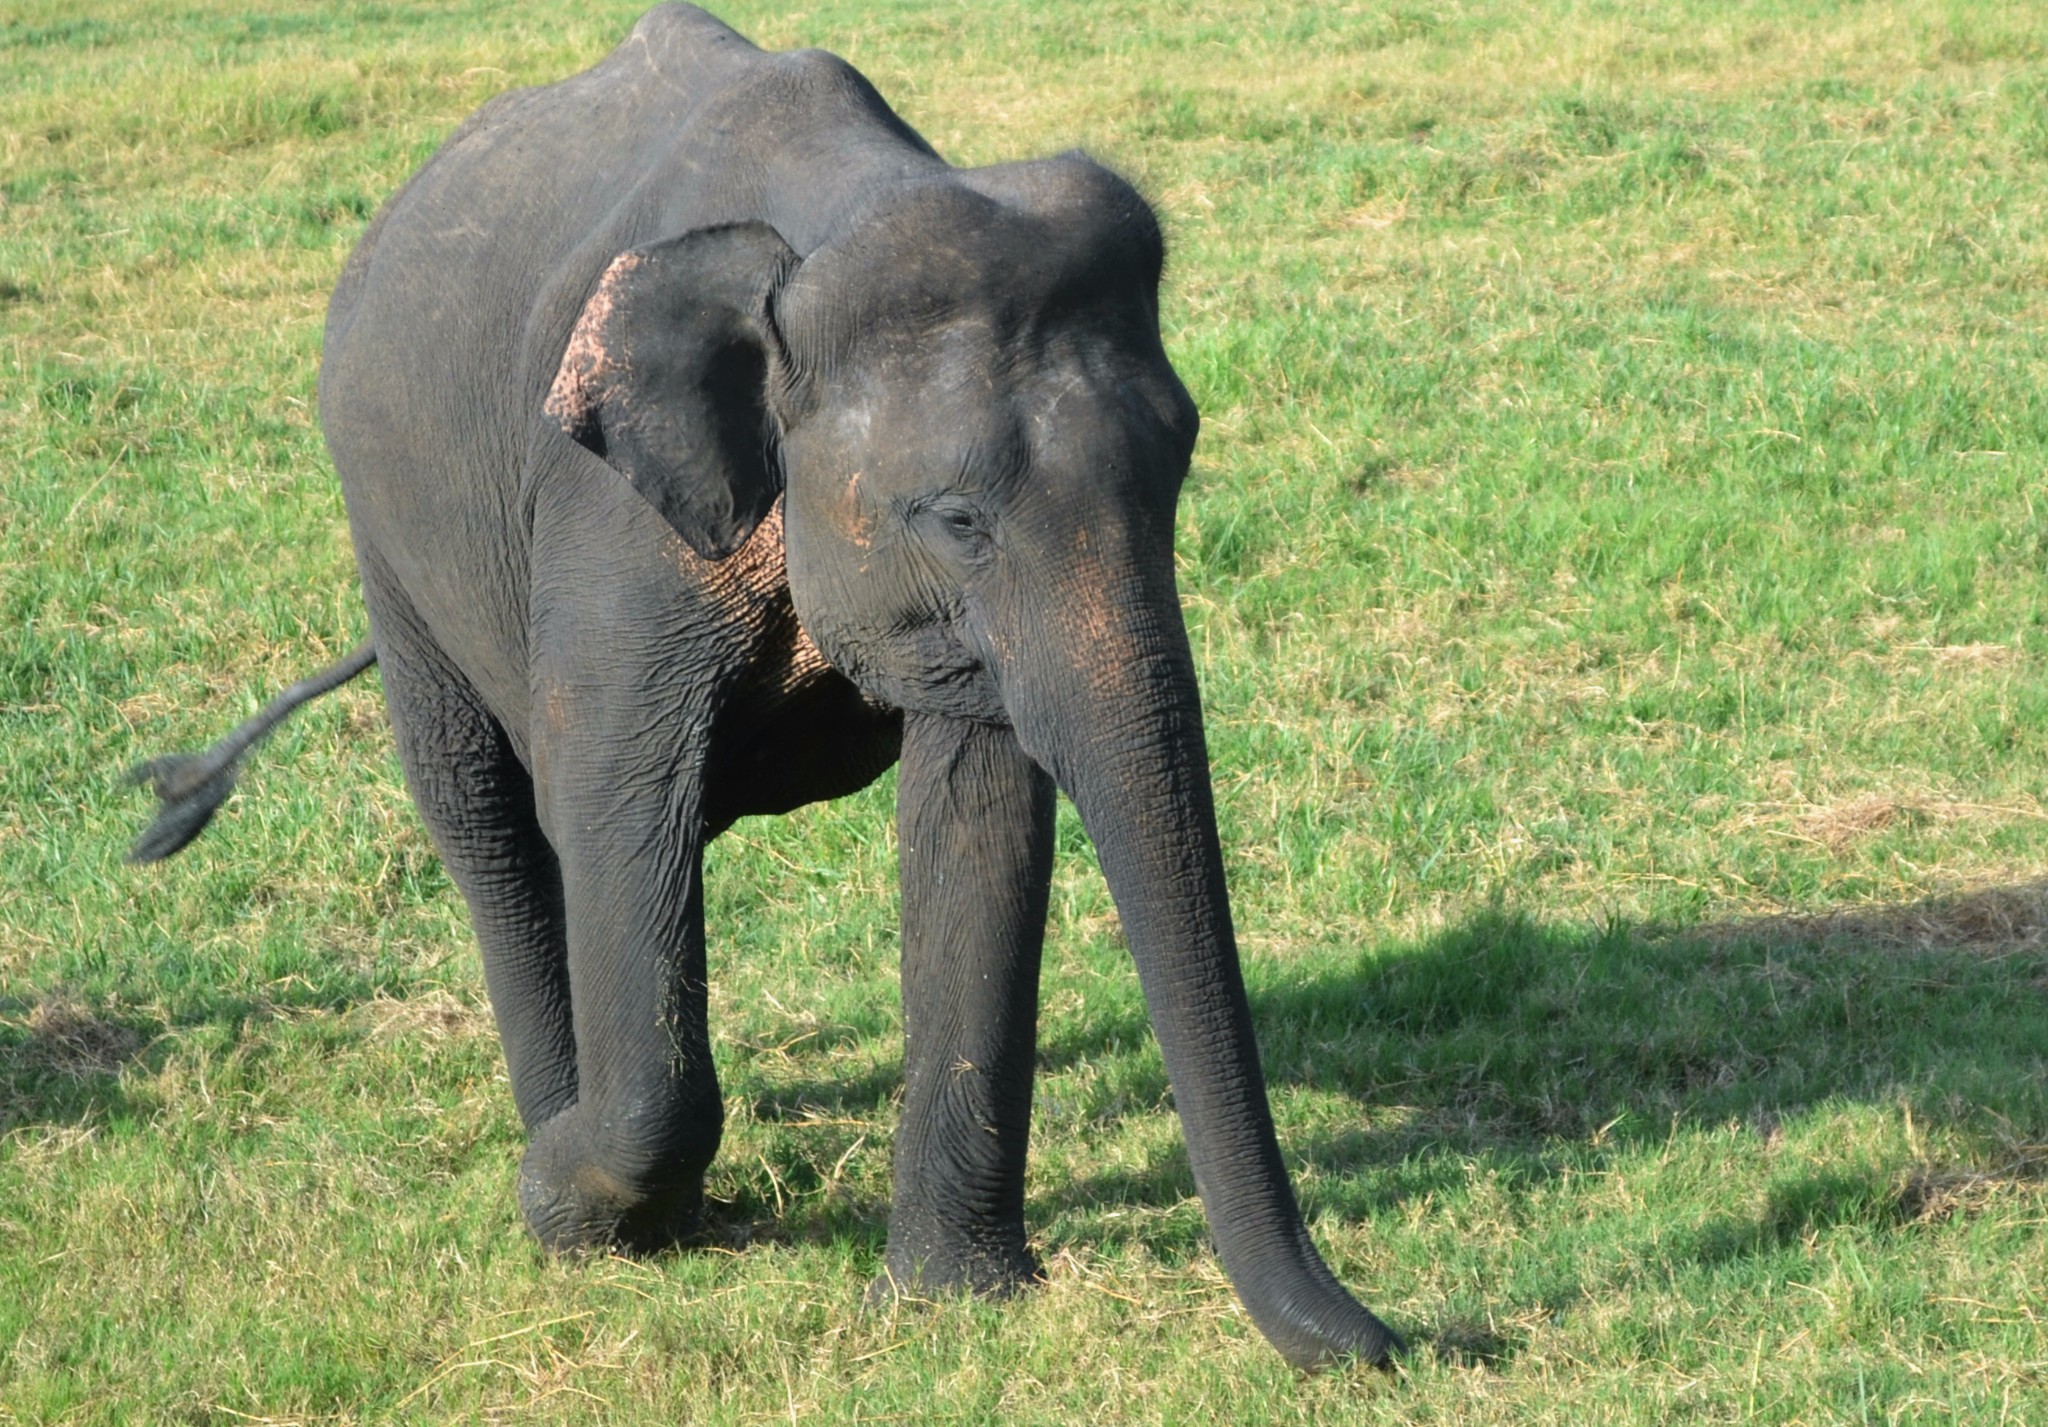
point(709, 442)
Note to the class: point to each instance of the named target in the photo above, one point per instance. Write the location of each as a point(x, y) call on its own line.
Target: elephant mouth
point(945, 676)
point(922, 666)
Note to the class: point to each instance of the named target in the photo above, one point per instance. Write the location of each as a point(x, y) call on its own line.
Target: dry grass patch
point(1839, 827)
point(1927, 1195)
point(66, 1036)
point(429, 1017)
point(1992, 920)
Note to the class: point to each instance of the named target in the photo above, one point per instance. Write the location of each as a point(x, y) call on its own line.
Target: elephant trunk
point(1120, 730)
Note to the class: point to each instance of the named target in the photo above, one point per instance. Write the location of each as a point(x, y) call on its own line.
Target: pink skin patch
point(589, 362)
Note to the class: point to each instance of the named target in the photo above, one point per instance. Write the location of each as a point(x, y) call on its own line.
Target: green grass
point(1616, 555)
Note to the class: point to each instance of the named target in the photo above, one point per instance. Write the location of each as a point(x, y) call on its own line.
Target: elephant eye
point(956, 524)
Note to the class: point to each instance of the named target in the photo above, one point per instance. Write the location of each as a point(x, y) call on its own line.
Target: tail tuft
point(191, 788)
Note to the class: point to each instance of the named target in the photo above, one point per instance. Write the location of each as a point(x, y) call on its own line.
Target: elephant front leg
point(974, 830)
point(623, 1167)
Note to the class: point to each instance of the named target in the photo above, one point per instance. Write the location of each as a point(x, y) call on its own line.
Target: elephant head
point(963, 399)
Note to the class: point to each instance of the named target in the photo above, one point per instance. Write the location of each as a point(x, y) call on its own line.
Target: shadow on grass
point(63, 1057)
point(1505, 1030)
point(61, 1060)
point(1526, 1052)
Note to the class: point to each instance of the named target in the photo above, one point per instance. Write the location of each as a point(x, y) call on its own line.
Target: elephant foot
point(574, 1206)
point(978, 1273)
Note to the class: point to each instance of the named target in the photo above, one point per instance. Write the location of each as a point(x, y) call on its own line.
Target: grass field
point(1616, 559)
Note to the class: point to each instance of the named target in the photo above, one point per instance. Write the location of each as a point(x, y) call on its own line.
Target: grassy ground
point(1615, 560)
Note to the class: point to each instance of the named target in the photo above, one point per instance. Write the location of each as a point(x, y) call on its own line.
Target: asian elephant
point(709, 444)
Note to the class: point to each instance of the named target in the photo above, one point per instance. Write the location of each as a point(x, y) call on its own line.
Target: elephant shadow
point(1527, 1051)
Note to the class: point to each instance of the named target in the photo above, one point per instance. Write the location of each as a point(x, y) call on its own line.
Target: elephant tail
point(192, 786)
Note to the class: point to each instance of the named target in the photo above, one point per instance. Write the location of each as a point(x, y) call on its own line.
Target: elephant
point(709, 445)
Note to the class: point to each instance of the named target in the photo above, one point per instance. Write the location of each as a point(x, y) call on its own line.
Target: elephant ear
point(665, 378)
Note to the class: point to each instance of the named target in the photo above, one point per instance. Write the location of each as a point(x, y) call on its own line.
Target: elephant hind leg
point(476, 799)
